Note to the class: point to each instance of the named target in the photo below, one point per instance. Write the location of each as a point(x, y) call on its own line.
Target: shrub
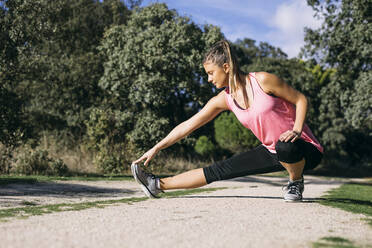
point(38, 162)
point(204, 146)
point(230, 134)
point(5, 158)
point(109, 163)
point(11, 127)
point(106, 139)
point(58, 167)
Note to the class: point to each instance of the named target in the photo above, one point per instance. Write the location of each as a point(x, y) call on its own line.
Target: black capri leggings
point(260, 160)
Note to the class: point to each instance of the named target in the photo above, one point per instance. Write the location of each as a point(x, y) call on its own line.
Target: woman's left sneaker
point(147, 181)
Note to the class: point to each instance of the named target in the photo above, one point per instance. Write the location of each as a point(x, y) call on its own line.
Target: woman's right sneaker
point(148, 181)
point(294, 190)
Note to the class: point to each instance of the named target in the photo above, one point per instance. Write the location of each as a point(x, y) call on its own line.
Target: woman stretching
point(262, 102)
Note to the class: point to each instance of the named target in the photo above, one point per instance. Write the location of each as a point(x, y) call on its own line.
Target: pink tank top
point(268, 117)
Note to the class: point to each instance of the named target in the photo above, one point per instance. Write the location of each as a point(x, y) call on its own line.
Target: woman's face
point(217, 75)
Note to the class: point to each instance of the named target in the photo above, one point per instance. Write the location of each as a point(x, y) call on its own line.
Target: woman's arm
point(272, 84)
point(214, 106)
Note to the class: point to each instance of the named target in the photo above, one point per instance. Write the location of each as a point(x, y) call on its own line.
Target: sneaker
point(147, 181)
point(294, 190)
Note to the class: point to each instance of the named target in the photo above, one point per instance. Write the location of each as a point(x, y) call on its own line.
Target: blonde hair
point(220, 54)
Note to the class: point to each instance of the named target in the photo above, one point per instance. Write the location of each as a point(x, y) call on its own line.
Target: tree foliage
point(230, 134)
point(343, 42)
point(56, 66)
point(119, 77)
point(205, 147)
point(153, 70)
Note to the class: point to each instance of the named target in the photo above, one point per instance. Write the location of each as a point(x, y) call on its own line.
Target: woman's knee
point(289, 152)
point(209, 175)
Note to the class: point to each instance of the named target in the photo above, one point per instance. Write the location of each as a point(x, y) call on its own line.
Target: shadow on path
point(274, 181)
point(250, 179)
point(305, 200)
point(53, 189)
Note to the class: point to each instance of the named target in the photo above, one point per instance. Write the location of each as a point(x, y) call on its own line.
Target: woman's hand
point(148, 156)
point(290, 135)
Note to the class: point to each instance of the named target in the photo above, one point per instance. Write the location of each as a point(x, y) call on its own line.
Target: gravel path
point(249, 213)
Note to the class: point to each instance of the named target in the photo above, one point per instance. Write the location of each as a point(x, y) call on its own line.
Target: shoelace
point(148, 174)
point(153, 177)
point(293, 188)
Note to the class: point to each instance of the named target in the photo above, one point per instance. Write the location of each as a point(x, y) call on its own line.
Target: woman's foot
point(149, 182)
point(294, 190)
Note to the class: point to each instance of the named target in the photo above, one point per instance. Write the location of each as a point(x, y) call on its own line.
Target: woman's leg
point(297, 157)
point(295, 170)
point(258, 160)
point(187, 180)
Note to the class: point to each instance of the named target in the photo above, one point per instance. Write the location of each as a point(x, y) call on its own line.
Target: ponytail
point(220, 54)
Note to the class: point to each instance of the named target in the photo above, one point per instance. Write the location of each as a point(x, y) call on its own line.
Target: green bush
point(204, 146)
point(230, 134)
point(58, 167)
point(38, 162)
point(107, 140)
point(11, 126)
point(108, 163)
point(5, 158)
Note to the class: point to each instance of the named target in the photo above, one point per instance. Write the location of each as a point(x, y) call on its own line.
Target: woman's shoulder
point(267, 81)
point(263, 76)
point(220, 101)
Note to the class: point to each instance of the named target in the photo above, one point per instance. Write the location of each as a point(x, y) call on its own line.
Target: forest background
point(87, 86)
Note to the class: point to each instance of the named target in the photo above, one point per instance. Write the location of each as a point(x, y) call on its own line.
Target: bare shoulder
point(268, 81)
point(219, 101)
point(216, 104)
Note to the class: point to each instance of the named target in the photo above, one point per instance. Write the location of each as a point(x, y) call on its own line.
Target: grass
point(31, 210)
point(8, 179)
point(334, 170)
point(333, 242)
point(352, 197)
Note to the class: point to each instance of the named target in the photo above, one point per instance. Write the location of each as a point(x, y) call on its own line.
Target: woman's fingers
point(294, 138)
point(288, 136)
point(291, 137)
point(145, 156)
point(146, 162)
point(139, 160)
point(284, 137)
point(148, 156)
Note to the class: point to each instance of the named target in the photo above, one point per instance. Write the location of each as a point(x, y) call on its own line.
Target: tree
point(343, 42)
point(54, 53)
point(153, 71)
point(247, 51)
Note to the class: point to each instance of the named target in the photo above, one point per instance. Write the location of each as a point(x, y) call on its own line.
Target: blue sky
point(278, 22)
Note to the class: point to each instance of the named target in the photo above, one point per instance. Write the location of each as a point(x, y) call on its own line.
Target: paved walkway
point(249, 213)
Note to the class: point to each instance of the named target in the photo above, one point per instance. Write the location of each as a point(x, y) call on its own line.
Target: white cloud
point(288, 23)
point(231, 32)
point(279, 23)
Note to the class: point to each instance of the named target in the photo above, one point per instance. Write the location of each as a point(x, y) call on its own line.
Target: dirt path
point(249, 213)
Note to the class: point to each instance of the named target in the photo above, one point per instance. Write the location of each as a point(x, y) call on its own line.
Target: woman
point(262, 102)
